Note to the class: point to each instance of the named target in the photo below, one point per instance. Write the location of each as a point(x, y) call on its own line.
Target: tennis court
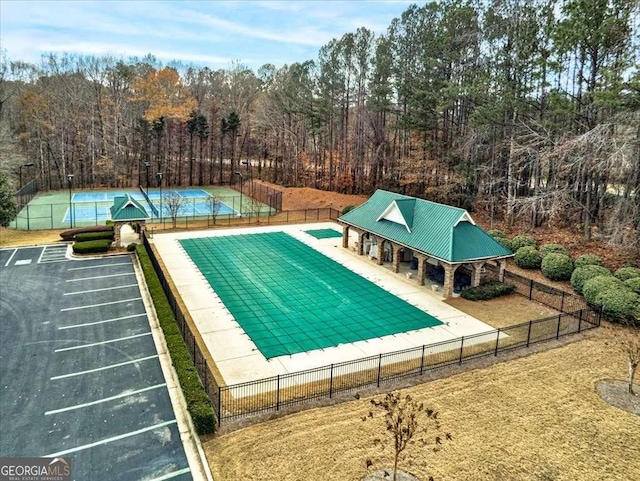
point(51, 210)
point(272, 300)
point(289, 298)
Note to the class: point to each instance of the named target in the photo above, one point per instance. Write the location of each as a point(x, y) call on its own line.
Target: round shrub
point(557, 267)
point(528, 257)
point(552, 248)
point(588, 260)
point(131, 247)
point(496, 233)
point(633, 284)
point(503, 241)
point(626, 273)
point(584, 273)
point(619, 305)
point(347, 208)
point(522, 241)
point(595, 286)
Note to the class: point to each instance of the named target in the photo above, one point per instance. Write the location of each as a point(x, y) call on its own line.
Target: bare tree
point(255, 206)
point(404, 419)
point(174, 202)
point(631, 347)
point(214, 205)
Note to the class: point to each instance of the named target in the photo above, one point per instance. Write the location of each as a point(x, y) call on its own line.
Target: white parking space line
point(102, 304)
point(101, 277)
point(172, 475)
point(99, 290)
point(104, 400)
point(9, 261)
point(100, 265)
point(74, 326)
point(102, 342)
point(41, 254)
point(104, 368)
point(112, 439)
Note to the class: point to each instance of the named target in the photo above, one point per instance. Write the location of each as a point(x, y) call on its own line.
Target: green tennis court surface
point(323, 233)
point(290, 298)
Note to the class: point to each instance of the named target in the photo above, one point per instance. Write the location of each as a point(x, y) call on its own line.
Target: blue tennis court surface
point(88, 213)
point(193, 208)
point(80, 197)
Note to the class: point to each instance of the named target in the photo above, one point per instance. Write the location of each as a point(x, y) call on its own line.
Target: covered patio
point(438, 241)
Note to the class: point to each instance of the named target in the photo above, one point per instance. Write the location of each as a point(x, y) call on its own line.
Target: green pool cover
point(290, 298)
point(323, 233)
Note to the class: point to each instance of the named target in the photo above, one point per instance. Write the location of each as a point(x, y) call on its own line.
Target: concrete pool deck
point(236, 356)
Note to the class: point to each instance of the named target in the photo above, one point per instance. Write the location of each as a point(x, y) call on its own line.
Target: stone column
point(361, 243)
point(422, 268)
point(477, 273)
point(449, 271)
point(396, 256)
point(345, 236)
point(381, 242)
point(116, 233)
point(502, 265)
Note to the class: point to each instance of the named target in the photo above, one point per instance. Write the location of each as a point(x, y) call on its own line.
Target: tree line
point(525, 109)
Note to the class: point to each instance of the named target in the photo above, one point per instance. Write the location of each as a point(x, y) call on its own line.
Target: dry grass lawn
point(15, 237)
point(534, 418)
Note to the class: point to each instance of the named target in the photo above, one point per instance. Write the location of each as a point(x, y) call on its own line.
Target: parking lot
point(80, 375)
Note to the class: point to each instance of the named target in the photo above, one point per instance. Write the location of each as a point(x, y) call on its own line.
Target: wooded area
point(527, 109)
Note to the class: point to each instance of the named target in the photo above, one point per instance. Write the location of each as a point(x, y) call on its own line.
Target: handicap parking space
point(80, 373)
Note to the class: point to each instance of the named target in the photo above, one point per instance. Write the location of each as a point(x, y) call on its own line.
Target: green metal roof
point(441, 231)
point(126, 208)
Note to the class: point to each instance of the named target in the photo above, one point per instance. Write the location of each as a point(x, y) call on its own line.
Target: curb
point(190, 440)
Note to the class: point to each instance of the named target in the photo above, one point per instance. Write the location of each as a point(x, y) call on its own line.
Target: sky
point(203, 33)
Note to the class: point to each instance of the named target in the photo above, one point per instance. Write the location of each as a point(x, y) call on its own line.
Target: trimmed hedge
point(348, 208)
point(496, 233)
point(89, 236)
point(626, 273)
point(593, 288)
point(198, 403)
point(488, 290)
point(557, 267)
point(620, 305)
point(131, 247)
point(523, 240)
point(552, 248)
point(92, 247)
point(588, 260)
point(504, 242)
point(69, 235)
point(528, 257)
point(582, 274)
point(633, 284)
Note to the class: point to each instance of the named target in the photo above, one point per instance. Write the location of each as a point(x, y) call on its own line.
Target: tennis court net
point(151, 206)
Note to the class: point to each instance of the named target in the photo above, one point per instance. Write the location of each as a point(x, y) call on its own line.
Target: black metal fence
point(275, 393)
point(191, 338)
point(536, 291)
point(262, 193)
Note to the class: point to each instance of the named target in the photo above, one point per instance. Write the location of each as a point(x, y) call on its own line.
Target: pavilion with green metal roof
point(392, 225)
point(126, 209)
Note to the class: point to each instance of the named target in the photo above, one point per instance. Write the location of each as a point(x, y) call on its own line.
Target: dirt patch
point(295, 198)
point(617, 394)
point(387, 475)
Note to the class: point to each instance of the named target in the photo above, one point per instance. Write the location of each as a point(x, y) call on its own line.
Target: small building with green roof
point(392, 226)
point(126, 209)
